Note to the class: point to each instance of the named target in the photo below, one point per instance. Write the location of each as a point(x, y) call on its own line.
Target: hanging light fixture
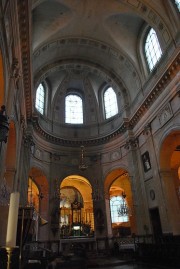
point(123, 209)
point(82, 165)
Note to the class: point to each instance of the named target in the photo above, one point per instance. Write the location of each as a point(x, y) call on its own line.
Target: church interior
point(89, 130)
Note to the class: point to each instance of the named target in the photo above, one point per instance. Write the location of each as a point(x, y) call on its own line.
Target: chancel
point(89, 133)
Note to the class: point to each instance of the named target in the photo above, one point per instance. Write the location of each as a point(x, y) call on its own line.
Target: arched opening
point(33, 194)
point(118, 187)
point(38, 198)
point(169, 169)
point(76, 207)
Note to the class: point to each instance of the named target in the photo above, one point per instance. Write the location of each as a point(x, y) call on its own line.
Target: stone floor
point(96, 263)
point(106, 263)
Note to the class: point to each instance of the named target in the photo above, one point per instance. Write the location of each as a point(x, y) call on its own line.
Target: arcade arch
point(38, 198)
point(76, 207)
point(117, 184)
point(169, 171)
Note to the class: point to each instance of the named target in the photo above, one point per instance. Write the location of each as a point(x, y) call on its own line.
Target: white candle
point(12, 220)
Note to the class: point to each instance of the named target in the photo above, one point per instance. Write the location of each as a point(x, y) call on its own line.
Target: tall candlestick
point(12, 220)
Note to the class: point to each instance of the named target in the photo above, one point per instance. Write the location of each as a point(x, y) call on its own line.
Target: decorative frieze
point(151, 16)
point(156, 91)
point(23, 16)
point(94, 44)
point(165, 114)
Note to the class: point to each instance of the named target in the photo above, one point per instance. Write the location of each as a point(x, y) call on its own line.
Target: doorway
point(156, 223)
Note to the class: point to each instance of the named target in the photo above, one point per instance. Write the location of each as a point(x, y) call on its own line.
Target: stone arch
point(38, 176)
point(116, 183)
point(111, 175)
point(107, 75)
point(169, 162)
point(168, 146)
point(155, 20)
point(79, 184)
point(33, 194)
point(40, 179)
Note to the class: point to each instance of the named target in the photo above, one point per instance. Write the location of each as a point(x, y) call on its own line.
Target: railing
point(162, 250)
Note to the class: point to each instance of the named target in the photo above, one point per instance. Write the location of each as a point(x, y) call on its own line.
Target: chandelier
point(123, 209)
point(82, 165)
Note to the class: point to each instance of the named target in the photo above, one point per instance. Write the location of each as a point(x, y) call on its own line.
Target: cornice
point(23, 15)
point(127, 124)
point(67, 142)
point(156, 91)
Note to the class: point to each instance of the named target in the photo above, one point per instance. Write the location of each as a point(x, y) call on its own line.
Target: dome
point(84, 50)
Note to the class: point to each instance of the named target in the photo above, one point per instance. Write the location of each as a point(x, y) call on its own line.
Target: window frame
point(44, 104)
point(104, 106)
point(80, 96)
point(176, 6)
point(120, 219)
point(144, 49)
point(140, 48)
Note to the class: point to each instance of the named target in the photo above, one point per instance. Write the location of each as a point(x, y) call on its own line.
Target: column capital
point(132, 143)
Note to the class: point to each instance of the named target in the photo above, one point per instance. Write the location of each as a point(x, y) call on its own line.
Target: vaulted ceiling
point(85, 45)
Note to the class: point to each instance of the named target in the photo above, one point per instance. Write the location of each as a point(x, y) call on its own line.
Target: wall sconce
point(4, 124)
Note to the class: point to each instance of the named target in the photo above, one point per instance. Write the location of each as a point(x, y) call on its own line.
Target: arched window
point(73, 109)
point(152, 48)
point(177, 2)
point(115, 203)
point(40, 99)
point(110, 103)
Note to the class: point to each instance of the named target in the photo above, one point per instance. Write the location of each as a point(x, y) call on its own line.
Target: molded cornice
point(126, 124)
point(156, 91)
point(24, 29)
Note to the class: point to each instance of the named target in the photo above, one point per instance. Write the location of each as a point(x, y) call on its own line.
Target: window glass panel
point(115, 203)
point(110, 103)
point(177, 2)
point(152, 49)
point(40, 97)
point(73, 109)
